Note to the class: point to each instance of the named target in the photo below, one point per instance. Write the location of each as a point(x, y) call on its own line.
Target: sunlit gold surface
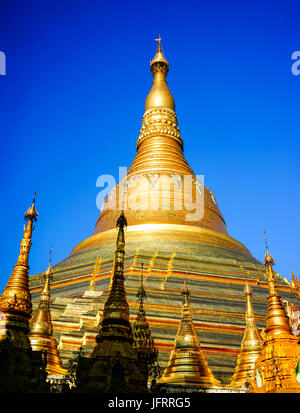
point(187, 364)
point(15, 301)
point(172, 232)
point(40, 334)
point(250, 348)
point(280, 354)
point(116, 309)
point(16, 295)
point(21, 368)
point(155, 186)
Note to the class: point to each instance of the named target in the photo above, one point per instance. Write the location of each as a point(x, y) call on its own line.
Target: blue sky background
point(73, 97)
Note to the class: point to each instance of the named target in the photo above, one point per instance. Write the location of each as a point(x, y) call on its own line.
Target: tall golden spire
point(116, 309)
point(280, 356)
point(48, 275)
point(160, 163)
point(114, 365)
point(24, 368)
point(159, 146)
point(250, 348)
point(187, 364)
point(277, 321)
point(40, 334)
point(16, 297)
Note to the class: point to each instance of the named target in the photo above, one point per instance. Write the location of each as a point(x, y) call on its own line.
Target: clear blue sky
point(73, 97)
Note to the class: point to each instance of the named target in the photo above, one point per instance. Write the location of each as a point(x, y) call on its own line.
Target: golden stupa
point(187, 365)
point(176, 229)
point(21, 368)
point(278, 365)
point(41, 331)
point(250, 348)
point(160, 189)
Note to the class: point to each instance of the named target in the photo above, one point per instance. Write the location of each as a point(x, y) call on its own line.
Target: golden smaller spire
point(116, 309)
point(277, 320)
point(250, 347)
point(278, 363)
point(185, 292)
point(40, 335)
point(187, 364)
point(16, 296)
point(41, 321)
point(48, 275)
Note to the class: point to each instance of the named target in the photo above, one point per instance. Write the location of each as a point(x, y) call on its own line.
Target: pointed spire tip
point(31, 213)
point(141, 294)
point(159, 57)
point(185, 290)
point(122, 221)
point(268, 258)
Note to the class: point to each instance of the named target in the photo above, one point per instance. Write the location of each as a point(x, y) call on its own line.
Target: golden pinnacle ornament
point(277, 367)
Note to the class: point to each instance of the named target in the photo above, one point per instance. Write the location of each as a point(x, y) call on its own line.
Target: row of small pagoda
point(125, 357)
